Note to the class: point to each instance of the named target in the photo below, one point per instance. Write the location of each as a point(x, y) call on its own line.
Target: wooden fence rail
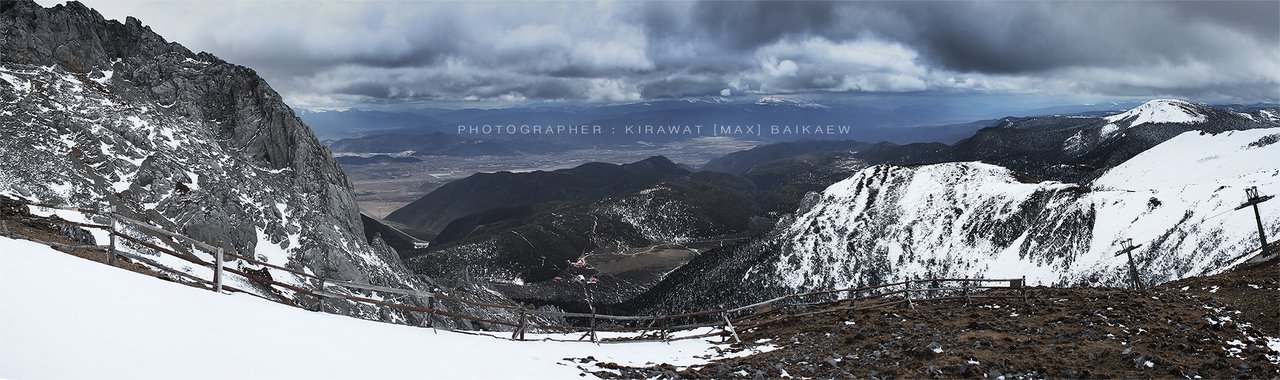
point(661, 326)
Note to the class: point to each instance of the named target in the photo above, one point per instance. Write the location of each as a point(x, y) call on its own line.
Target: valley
point(383, 187)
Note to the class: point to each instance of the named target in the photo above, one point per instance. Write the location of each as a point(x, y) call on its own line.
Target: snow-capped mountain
point(1075, 149)
point(1159, 111)
point(967, 218)
point(961, 219)
point(96, 113)
point(781, 101)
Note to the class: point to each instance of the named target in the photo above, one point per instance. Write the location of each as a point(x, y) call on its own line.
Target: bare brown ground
point(1210, 327)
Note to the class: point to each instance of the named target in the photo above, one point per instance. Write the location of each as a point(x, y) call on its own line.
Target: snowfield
point(109, 323)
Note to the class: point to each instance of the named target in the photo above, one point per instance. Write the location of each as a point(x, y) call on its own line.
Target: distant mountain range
point(530, 226)
point(963, 219)
point(361, 131)
point(621, 126)
point(483, 193)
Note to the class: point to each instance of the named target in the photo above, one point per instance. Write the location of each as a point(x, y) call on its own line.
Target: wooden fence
point(655, 327)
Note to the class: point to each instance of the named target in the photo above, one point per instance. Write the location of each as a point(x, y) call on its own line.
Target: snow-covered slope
point(115, 324)
point(963, 219)
point(1160, 111)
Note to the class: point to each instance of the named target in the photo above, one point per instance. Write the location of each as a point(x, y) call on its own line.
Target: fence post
point(4, 224)
point(1024, 289)
point(320, 295)
point(431, 313)
point(666, 328)
point(217, 271)
point(111, 251)
point(931, 285)
point(518, 334)
point(593, 327)
point(965, 285)
point(729, 326)
point(907, 292)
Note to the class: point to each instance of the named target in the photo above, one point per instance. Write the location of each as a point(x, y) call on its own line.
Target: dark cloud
point(1031, 37)
point(345, 53)
point(681, 86)
point(744, 25)
point(1255, 18)
point(369, 89)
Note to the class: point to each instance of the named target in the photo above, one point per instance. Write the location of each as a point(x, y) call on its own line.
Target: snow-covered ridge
point(963, 219)
point(780, 101)
point(1160, 111)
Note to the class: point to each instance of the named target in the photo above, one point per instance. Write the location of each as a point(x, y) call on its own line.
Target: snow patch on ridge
point(1159, 111)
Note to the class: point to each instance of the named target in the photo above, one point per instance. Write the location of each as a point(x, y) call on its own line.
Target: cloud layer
point(347, 53)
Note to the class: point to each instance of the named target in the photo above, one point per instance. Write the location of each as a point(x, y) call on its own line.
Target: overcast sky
point(360, 53)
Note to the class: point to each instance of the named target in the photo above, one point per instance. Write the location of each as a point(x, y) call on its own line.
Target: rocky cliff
point(97, 113)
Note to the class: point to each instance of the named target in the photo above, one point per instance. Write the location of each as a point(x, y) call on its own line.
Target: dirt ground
point(1222, 326)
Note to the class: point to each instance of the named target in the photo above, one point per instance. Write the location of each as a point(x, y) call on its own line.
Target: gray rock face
point(94, 112)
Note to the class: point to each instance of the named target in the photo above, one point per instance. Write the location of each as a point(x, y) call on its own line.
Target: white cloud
point(816, 63)
point(611, 90)
point(775, 68)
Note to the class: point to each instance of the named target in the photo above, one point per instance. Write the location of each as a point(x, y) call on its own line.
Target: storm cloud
point(339, 54)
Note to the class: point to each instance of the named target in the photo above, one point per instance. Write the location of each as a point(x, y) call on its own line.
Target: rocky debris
point(1221, 326)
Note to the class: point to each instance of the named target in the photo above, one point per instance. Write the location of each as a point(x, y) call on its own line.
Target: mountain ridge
point(859, 228)
point(99, 113)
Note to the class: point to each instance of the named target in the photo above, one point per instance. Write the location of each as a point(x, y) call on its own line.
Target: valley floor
point(1222, 326)
point(384, 187)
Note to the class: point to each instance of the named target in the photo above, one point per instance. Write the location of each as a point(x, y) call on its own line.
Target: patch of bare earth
point(1211, 327)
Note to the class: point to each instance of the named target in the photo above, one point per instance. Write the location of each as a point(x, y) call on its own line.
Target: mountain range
point(1048, 167)
point(102, 114)
point(1176, 201)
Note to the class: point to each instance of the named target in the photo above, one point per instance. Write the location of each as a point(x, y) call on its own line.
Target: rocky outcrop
point(97, 113)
